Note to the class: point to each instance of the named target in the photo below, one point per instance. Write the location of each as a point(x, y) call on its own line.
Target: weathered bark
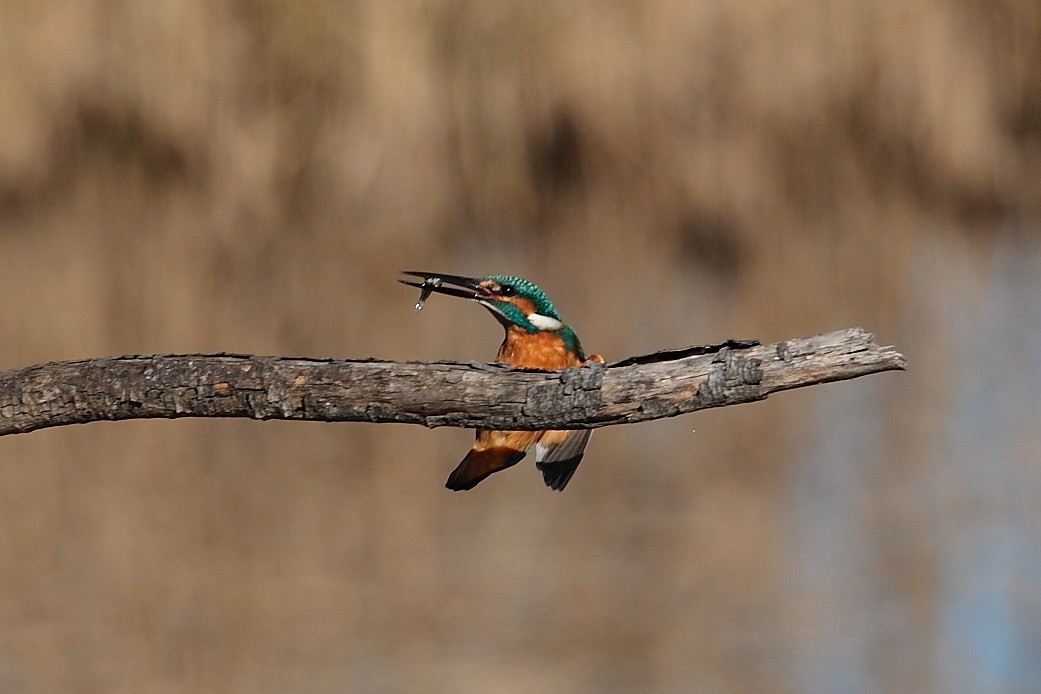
point(664, 384)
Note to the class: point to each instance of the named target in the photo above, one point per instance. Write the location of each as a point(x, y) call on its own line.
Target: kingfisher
point(536, 337)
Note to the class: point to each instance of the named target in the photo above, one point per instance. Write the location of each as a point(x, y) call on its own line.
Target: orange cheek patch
point(526, 305)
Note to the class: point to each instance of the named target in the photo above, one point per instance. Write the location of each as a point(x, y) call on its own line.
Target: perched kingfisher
point(536, 337)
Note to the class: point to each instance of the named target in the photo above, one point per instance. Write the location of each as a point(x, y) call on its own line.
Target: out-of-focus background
point(250, 176)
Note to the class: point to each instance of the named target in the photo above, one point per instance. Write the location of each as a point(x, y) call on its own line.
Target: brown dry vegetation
point(250, 176)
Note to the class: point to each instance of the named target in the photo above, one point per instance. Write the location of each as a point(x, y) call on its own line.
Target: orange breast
point(541, 350)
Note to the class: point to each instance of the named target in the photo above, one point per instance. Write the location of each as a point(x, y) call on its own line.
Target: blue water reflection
point(925, 555)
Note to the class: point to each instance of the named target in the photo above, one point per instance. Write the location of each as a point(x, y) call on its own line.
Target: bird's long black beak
point(465, 287)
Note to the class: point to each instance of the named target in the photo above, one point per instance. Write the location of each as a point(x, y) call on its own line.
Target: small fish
point(425, 289)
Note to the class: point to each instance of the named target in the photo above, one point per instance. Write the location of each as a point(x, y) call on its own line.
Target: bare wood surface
point(433, 394)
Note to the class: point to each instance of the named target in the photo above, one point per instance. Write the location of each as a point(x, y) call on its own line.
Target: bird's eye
point(507, 290)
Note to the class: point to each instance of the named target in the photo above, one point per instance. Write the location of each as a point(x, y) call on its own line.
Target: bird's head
point(514, 301)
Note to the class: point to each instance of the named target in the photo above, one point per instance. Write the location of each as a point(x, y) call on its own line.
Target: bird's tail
point(478, 464)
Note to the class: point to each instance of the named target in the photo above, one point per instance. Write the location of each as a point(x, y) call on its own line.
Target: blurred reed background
point(250, 176)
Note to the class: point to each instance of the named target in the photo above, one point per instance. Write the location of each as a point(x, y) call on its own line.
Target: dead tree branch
point(433, 394)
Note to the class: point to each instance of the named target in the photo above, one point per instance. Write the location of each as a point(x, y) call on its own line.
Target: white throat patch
point(544, 322)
